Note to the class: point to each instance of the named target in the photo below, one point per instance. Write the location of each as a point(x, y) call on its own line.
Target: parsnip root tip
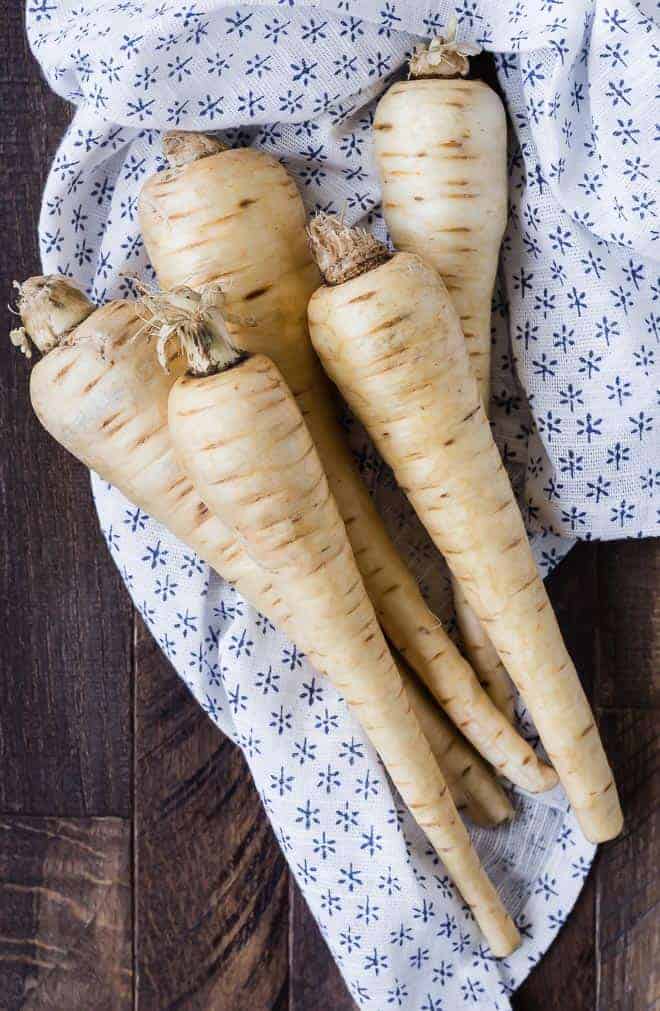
point(182, 147)
point(342, 252)
point(444, 56)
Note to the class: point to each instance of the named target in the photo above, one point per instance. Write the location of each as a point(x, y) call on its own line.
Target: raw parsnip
point(236, 217)
point(470, 782)
point(493, 675)
point(240, 435)
point(100, 392)
point(440, 147)
point(390, 338)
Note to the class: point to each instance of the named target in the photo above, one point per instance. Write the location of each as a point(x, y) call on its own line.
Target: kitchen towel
point(574, 405)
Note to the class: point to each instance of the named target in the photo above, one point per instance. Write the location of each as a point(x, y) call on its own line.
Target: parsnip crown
point(181, 147)
point(50, 307)
point(196, 323)
point(444, 56)
point(342, 252)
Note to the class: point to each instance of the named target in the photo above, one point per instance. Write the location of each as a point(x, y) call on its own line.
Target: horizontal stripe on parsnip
point(440, 147)
point(100, 392)
point(240, 435)
point(235, 217)
point(392, 341)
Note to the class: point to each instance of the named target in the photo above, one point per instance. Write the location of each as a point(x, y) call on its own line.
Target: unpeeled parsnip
point(101, 394)
point(235, 217)
point(240, 435)
point(470, 783)
point(389, 336)
point(440, 147)
point(99, 391)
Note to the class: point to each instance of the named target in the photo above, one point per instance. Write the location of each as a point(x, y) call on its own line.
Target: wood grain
point(212, 900)
point(65, 618)
point(629, 607)
point(628, 883)
point(65, 914)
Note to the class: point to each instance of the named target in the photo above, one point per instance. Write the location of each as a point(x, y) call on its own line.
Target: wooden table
point(136, 863)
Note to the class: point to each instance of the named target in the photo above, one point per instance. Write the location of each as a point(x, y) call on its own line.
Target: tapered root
point(290, 524)
point(432, 400)
point(471, 782)
point(483, 657)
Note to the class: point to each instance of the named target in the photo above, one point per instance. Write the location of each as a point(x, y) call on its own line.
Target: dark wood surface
point(137, 868)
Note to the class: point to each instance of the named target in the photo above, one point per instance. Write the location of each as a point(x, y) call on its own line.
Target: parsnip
point(390, 338)
point(101, 394)
point(469, 779)
point(240, 435)
point(99, 391)
point(236, 218)
point(440, 147)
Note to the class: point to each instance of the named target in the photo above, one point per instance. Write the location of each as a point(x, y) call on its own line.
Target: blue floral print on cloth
point(575, 399)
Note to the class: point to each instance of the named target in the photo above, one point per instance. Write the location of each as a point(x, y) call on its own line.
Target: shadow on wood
point(628, 940)
point(65, 914)
point(212, 884)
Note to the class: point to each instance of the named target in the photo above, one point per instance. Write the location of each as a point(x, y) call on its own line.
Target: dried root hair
point(342, 252)
point(196, 323)
point(50, 308)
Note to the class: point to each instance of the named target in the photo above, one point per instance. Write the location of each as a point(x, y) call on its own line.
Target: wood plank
point(628, 927)
point(212, 884)
point(629, 575)
point(65, 914)
point(316, 982)
point(65, 619)
point(628, 937)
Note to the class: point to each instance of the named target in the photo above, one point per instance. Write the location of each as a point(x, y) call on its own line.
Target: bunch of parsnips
point(205, 403)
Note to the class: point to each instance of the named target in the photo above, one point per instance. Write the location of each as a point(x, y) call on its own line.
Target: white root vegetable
point(236, 218)
point(440, 147)
point(101, 394)
point(99, 391)
point(470, 781)
point(240, 435)
point(390, 338)
point(493, 675)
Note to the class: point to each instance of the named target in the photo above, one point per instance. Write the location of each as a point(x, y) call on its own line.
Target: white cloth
point(576, 328)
